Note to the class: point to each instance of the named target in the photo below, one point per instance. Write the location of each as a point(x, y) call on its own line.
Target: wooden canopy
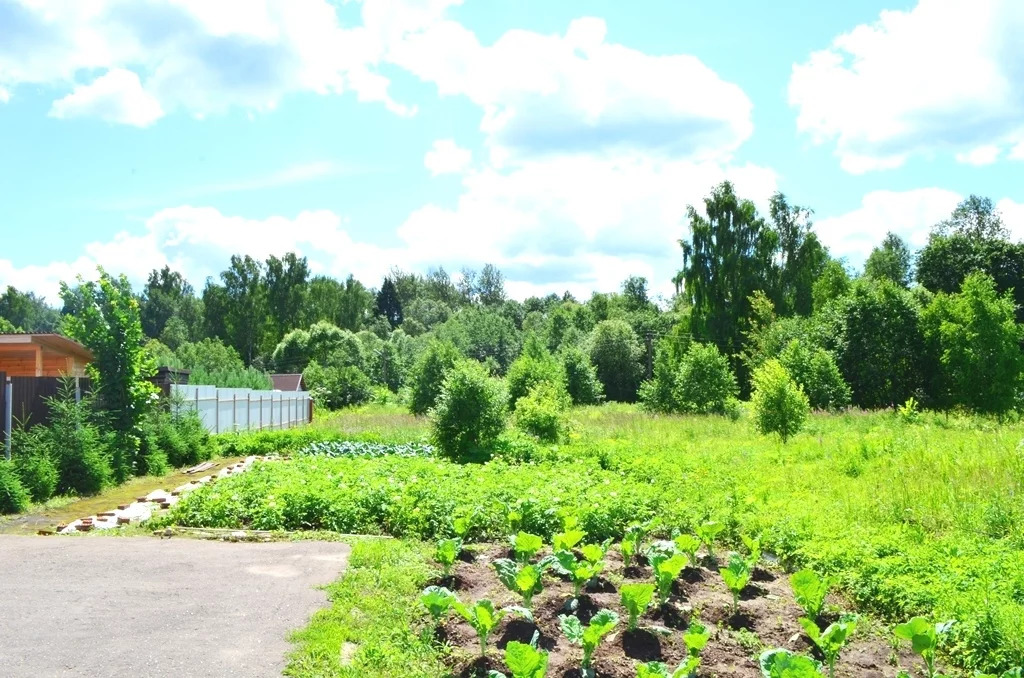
point(42, 355)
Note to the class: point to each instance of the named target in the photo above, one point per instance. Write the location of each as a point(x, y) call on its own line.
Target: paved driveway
point(126, 606)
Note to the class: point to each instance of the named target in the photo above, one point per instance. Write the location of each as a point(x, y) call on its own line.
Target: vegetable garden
point(903, 520)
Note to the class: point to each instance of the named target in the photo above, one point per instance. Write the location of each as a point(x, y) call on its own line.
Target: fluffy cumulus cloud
point(577, 92)
point(940, 79)
point(130, 60)
point(446, 157)
point(116, 96)
point(910, 214)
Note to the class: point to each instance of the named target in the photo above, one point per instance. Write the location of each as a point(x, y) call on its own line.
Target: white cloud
point(578, 92)
point(982, 155)
point(446, 157)
point(5, 96)
point(942, 78)
point(1013, 217)
point(116, 97)
point(909, 214)
point(192, 55)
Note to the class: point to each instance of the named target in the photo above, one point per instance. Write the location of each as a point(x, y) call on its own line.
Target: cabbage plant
point(526, 546)
point(438, 600)
point(525, 580)
point(666, 568)
point(447, 552)
point(636, 598)
point(781, 663)
point(687, 544)
point(736, 578)
point(483, 618)
point(588, 637)
point(810, 590)
point(523, 661)
point(832, 640)
point(924, 637)
point(707, 533)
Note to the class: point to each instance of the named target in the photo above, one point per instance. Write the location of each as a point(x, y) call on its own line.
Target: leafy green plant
point(688, 544)
point(696, 638)
point(832, 640)
point(521, 578)
point(568, 539)
point(447, 552)
point(924, 637)
point(483, 618)
point(636, 598)
point(526, 546)
point(595, 553)
point(707, 532)
point(781, 663)
point(523, 661)
point(579, 571)
point(588, 637)
point(14, 498)
point(462, 524)
point(909, 411)
point(810, 591)
point(780, 405)
point(736, 577)
point(470, 413)
point(666, 569)
point(753, 545)
point(438, 600)
point(629, 547)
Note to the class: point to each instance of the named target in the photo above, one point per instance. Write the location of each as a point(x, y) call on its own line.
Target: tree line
point(940, 325)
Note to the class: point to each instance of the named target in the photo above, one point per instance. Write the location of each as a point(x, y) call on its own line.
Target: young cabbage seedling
point(595, 553)
point(484, 618)
point(666, 569)
point(832, 640)
point(736, 578)
point(781, 663)
point(447, 553)
point(580, 571)
point(438, 600)
point(707, 532)
point(688, 544)
point(696, 638)
point(753, 545)
point(810, 591)
point(636, 598)
point(924, 638)
point(526, 546)
point(588, 638)
point(523, 661)
point(462, 525)
point(630, 544)
point(525, 580)
point(567, 540)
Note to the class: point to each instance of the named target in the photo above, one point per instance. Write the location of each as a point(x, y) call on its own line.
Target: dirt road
point(139, 606)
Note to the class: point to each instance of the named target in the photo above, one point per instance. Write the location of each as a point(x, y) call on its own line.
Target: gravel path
point(140, 606)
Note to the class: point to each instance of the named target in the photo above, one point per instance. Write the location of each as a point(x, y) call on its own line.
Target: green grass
point(922, 518)
point(372, 627)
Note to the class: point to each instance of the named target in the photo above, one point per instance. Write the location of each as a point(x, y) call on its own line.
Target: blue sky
point(560, 141)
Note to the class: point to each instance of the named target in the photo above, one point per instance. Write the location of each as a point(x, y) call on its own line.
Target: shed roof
point(55, 343)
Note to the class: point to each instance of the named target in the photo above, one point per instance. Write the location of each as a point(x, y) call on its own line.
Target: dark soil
point(768, 617)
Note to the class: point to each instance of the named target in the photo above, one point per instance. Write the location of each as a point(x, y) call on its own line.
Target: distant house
point(42, 355)
point(288, 382)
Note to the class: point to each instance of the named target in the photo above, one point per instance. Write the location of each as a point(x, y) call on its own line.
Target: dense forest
point(939, 325)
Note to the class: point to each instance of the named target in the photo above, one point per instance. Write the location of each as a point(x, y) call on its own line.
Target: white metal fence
point(228, 410)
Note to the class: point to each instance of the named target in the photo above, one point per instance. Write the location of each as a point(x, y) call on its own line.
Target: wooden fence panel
point(29, 395)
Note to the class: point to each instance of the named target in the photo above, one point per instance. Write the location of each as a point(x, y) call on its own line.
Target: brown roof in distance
point(54, 342)
point(288, 382)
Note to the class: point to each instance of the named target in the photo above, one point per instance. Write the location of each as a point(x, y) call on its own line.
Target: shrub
point(615, 351)
point(31, 455)
point(780, 406)
point(337, 387)
point(530, 370)
point(429, 373)
point(243, 377)
point(704, 382)
point(13, 496)
point(81, 453)
point(179, 438)
point(541, 412)
point(581, 377)
point(470, 413)
point(815, 370)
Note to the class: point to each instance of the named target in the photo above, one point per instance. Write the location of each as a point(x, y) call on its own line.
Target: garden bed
point(768, 618)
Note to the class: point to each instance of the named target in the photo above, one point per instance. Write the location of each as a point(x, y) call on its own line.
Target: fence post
point(261, 411)
point(216, 410)
point(234, 411)
point(271, 411)
point(248, 410)
point(8, 409)
point(78, 390)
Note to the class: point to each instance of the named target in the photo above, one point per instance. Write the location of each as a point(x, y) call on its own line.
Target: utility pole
point(649, 341)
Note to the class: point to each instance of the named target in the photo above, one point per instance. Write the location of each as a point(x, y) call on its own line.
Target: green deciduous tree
point(815, 371)
point(105, 318)
point(28, 312)
point(802, 258)
point(729, 255)
point(780, 405)
point(704, 383)
point(287, 289)
point(976, 340)
point(890, 261)
point(615, 351)
point(580, 377)
point(470, 413)
point(428, 374)
point(878, 343)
